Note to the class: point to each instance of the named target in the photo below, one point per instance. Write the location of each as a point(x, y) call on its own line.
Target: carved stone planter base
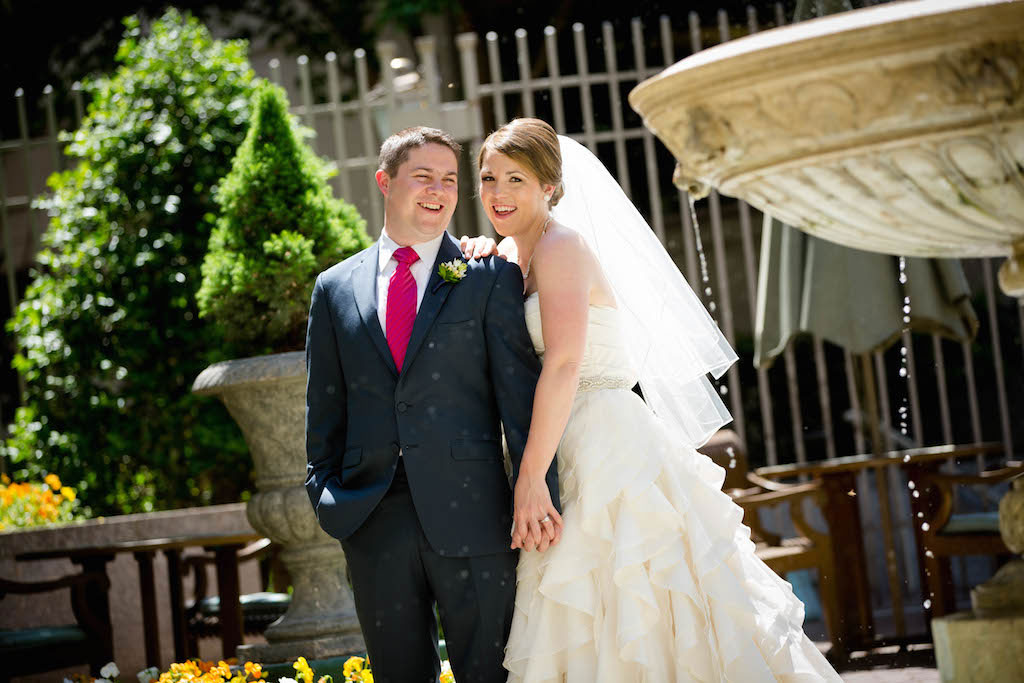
point(313, 648)
point(266, 396)
point(974, 649)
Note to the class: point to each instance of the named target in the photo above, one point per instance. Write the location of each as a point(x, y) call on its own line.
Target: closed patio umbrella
point(850, 297)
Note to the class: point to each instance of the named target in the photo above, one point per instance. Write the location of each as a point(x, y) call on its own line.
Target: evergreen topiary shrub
point(109, 333)
point(279, 226)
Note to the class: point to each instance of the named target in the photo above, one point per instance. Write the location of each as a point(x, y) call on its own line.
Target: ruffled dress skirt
point(655, 579)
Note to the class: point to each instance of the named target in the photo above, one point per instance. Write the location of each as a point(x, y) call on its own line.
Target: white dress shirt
point(421, 271)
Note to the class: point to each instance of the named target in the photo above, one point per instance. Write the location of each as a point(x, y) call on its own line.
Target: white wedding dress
point(655, 579)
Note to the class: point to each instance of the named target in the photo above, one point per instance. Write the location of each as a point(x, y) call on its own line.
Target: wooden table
point(839, 479)
point(225, 548)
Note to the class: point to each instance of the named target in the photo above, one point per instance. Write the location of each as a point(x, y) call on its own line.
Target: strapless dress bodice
point(605, 363)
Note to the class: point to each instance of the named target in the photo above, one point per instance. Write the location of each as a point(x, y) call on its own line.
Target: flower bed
point(27, 504)
point(356, 670)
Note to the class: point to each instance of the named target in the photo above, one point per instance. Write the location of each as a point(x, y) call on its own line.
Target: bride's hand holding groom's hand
point(536, 522)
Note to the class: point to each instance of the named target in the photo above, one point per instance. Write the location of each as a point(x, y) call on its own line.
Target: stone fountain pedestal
point(987, 643)
point(266, 396)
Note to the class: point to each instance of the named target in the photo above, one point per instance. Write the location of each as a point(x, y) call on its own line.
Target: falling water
point(904, 361)
point(905, 375)
point(704, 277)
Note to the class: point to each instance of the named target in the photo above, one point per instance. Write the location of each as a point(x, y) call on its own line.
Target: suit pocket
point(352, 457)
point(461, 328)
point(476, 449)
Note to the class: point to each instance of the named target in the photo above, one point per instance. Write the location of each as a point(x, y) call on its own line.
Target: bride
point(648, 574)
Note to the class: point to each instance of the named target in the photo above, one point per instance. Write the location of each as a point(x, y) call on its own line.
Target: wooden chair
point(943, 533)
point(259, 610)
point(811, 549)
point(46, 648)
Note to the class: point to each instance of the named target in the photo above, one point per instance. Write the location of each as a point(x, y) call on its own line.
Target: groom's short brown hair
point(395, 149)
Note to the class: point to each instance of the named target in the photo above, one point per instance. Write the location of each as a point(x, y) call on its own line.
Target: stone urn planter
point(266, 396)
point(897, 128)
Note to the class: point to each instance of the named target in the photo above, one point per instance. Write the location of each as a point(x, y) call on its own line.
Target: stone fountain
point(897, 129)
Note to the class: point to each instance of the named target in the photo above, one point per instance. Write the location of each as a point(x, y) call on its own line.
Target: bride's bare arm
point(563, 281)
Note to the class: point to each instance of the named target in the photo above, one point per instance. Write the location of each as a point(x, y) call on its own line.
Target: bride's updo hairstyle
point(533, 144)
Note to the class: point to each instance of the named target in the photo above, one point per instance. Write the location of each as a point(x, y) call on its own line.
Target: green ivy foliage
point(279, 227)
point(109, 331)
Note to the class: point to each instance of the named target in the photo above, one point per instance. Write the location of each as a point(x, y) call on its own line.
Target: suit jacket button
point(402, 407)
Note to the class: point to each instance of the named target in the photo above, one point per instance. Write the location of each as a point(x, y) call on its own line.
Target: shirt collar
point(427, 251)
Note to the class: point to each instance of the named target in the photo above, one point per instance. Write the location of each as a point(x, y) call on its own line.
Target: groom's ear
point(383, 181)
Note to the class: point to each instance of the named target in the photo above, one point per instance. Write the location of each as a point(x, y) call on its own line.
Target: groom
point(412, 376)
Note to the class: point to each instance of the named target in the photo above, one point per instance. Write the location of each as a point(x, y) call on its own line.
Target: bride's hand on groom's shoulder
point(482, 246)
point(536, 523)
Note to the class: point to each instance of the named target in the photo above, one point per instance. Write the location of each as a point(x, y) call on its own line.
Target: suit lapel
point(438, 290)
point(364, 285)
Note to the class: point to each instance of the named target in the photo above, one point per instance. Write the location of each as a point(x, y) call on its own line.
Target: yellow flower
point(353, 665)
point(53, 481)
point(68, 493)
point(304, 671)
point(367, 676)
point(326, 678)
point(5, 479)
point(223, 670)
point(254, 670)
point(446, 677)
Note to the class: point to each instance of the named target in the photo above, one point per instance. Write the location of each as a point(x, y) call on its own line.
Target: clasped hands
point(536, 524)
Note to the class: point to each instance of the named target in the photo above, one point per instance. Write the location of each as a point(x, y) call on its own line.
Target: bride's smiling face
point(512, 196)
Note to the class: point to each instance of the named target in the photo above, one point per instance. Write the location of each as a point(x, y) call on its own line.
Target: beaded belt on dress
point(595, 383)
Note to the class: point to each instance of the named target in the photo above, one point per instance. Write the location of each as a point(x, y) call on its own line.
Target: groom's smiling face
point(420, 198)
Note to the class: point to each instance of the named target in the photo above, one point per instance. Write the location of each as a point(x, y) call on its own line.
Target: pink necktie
point(401, 304)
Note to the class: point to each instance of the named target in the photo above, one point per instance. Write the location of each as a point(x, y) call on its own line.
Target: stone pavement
point(916, 664)
point(905, 675)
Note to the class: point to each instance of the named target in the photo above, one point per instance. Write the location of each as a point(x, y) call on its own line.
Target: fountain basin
point(897, 129)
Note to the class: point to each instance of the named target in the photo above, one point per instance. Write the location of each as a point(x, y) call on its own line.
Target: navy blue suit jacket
point(469, 368)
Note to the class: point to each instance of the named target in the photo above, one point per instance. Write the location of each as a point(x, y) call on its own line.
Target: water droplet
point(906, 309)
point(911, 485)
point(906, 299)
point(927, 604)
point(917, 494)
point(920, 515)
point(903, 372)
point(903, 278)
point(903, 350)
point(906, 318)
point(929, 554)
point(925, 526)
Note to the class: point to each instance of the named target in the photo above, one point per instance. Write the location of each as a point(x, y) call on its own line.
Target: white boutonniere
point(453, 271)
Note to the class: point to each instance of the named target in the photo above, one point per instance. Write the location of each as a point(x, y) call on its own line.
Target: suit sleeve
point(514, 366)
point(326, 410)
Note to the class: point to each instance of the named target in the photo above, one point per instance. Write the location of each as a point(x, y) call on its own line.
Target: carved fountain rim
point(860, 35)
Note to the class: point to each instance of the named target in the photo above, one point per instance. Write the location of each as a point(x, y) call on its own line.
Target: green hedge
point(109, 333)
